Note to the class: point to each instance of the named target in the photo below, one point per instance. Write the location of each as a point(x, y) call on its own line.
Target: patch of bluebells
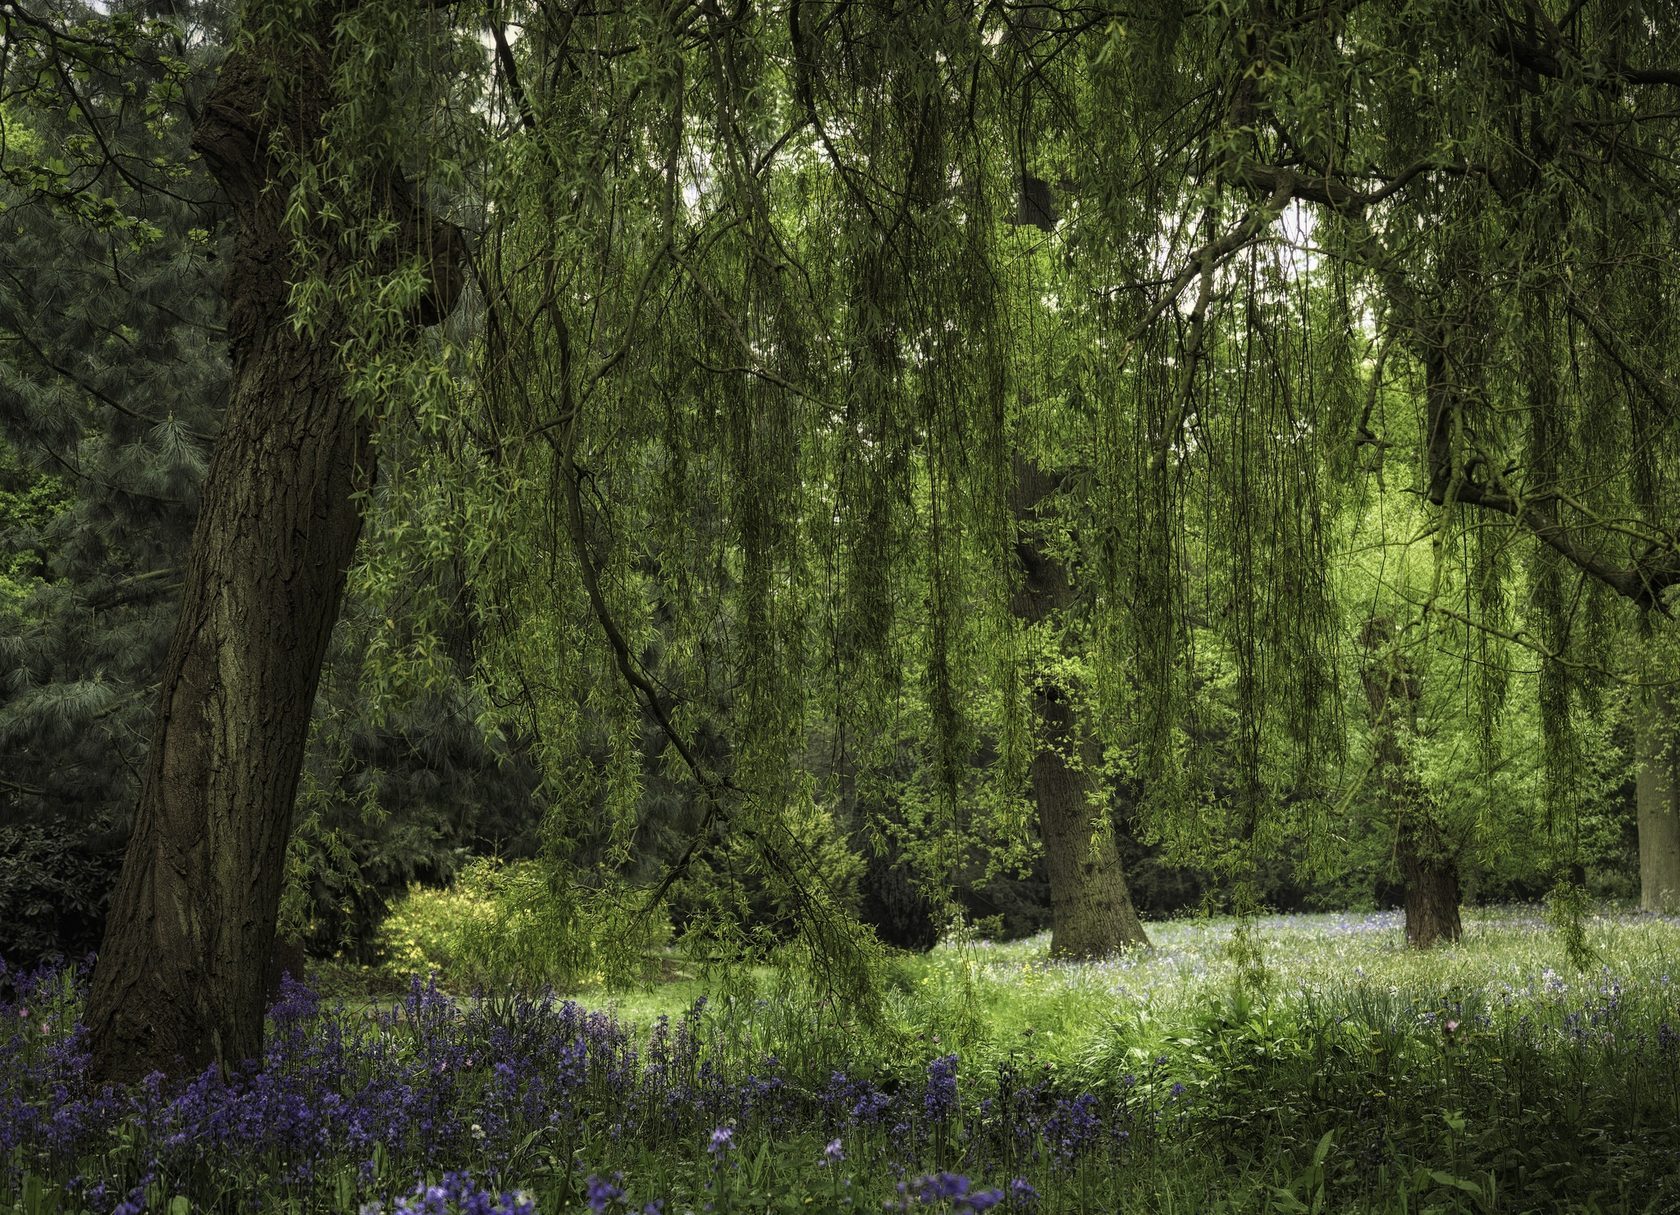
point(601, 1194)
point(1073, 1128)
point(943, 1192)
point(342, 1099)
point(764, 1095)
point(855, 1102)
point(372, 1098)
point(455, 1194)
point(1032, 1121)
point(428, 1079)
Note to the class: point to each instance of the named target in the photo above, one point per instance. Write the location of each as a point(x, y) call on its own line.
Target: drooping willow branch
point(1449, 481)
point(562, 439)
point(1202, 264)
point(560, 435)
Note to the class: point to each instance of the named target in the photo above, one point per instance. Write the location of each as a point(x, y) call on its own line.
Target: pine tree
point(111, 378)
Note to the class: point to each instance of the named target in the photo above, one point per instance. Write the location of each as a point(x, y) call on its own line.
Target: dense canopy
point(784, 447)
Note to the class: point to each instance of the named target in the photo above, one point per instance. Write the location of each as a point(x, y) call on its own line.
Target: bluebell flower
point(940, 1186)
point(600, 1194)
point(951, 1190)
point(457, 1194)
point(1072, 1127)
point(939, 1099)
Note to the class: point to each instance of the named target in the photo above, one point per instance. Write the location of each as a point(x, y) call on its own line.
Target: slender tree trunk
point(180, 977)
point(1090, 905)
point(1657, 802)
point(1428, 867)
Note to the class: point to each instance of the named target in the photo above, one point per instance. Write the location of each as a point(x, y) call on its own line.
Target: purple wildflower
point(953, 1190)
point(939, 1101)
point(601, 1194)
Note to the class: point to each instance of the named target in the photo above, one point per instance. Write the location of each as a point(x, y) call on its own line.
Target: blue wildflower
point(951, 1190)
point(1072, 1127)
point(939, 1101)
point(941, 1186)
point(600, 1194)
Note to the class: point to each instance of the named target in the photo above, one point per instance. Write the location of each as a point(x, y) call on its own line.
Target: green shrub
point(520, 923)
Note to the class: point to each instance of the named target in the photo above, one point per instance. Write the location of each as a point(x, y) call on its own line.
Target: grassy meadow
point(1285, 1064)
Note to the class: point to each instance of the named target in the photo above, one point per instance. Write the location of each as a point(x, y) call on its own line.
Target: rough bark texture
point(1657, 800)
point(180, 979)
point(1428, 867)
point(1430, 875)
point(1090, 905)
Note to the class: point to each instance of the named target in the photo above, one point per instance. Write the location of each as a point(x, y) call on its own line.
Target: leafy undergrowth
point(1336, 1076)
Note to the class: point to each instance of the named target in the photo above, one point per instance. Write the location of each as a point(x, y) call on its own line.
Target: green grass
point(1295, 1063)
point(997, 997)
point(988, 1000)
point(1066, 1010)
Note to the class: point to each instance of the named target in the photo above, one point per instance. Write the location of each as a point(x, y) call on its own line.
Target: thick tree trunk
point(1430, 877)
point(1091, 912)
point(1657, 802)
point(1428, 867)
point(1090, 905)
point(180, 977)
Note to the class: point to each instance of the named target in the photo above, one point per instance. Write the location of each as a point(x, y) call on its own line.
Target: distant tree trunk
point(1657, 802)
point(1428, 868)
point(1090, 905)
point(1430, 875)
point(1091, 912)
point(181, 976)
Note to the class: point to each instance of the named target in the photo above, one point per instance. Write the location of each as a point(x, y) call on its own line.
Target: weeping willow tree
point(861, 375)
point(772, 342)
point(738, 340)
point(1489, 188)
point(1505, 190)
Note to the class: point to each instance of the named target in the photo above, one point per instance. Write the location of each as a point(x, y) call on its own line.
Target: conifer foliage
point(112, 374)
